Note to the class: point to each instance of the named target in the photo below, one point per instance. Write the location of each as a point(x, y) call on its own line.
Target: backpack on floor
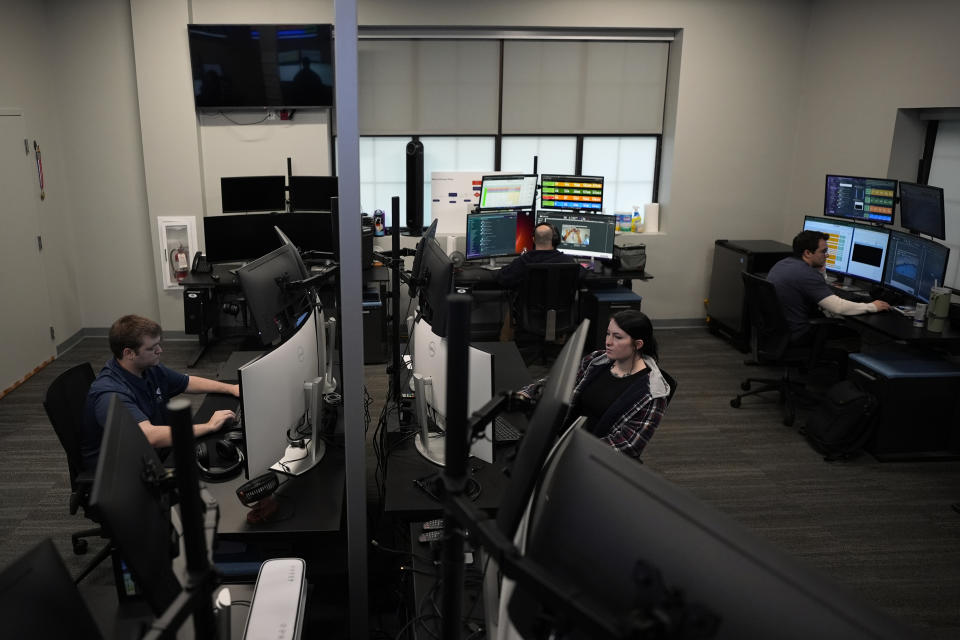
point(843, 422)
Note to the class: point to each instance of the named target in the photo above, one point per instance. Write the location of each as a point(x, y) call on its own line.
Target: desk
point(204, 294)
point(317, 496)
point(897, 327)
point(488, 312)
point(405, 464)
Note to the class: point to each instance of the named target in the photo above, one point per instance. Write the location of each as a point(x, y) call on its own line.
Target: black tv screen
point(256, 66)
point(312, 193)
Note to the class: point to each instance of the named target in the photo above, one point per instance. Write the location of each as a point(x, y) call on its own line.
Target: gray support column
point(351, 317)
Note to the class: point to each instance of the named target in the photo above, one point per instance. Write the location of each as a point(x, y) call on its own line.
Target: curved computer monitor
point(275, 307)
point(273, 405)
point(505, 191)
point(921, 209)
point(137, 521)
point(915, 265)
point(860, 199)
point(580, 193)
point(542, 430)
point(608, 527)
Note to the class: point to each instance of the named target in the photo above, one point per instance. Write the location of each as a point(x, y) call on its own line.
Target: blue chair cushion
point(900, 364)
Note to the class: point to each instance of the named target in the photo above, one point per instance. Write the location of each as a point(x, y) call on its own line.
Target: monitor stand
point(435, 445)
point(492, 265)
point(430, 445)
point(298, 460)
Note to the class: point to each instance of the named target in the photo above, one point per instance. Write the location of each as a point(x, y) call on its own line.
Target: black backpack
point(843, 422)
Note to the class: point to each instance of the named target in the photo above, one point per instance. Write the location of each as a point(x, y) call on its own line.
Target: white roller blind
point(945, 173)
point(584, 87)
point(424, 87)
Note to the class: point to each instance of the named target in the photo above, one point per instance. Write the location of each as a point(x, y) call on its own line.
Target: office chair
point(547, 304)
point(64, 403)
point(770, 345)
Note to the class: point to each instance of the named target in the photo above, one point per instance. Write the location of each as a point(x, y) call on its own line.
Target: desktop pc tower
point(199, 311)
point(726, 305)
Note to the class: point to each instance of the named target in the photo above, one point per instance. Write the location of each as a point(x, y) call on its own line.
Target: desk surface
point(898, 327)
point(405, 464)
point(483, 278)
point(312, 501)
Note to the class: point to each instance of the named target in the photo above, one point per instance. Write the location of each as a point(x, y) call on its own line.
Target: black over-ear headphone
point(228, 453)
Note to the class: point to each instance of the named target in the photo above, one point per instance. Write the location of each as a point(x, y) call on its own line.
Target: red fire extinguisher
point(179, 263)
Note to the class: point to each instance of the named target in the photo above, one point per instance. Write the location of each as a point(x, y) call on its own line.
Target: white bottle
point(637, 225)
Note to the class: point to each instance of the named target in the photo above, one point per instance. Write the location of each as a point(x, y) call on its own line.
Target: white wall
point(770, 97)
point(864, 60)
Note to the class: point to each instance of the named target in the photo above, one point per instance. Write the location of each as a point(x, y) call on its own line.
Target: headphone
point(554, 233)
point(229, 454)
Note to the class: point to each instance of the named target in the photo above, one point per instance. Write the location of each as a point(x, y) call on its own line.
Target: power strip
point(276, 608)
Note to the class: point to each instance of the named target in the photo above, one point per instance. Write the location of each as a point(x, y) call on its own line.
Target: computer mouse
point(215, 276)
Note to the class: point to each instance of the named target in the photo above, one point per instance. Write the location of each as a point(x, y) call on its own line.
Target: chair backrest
point(770, 333)
point(670, 381)
point(549, 287)
point(64, 404)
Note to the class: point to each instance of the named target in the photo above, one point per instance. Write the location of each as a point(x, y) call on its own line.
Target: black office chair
point(547, 302)
point(770, 345)
point(64, 403)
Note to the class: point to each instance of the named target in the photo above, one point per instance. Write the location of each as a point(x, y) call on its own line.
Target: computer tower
point(599, 305)
point(199, 312)
point(726, 305)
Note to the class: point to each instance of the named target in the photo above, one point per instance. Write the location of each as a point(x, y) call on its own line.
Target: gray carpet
point(885, 530)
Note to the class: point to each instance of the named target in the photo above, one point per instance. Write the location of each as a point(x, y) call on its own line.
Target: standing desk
point(405, 464)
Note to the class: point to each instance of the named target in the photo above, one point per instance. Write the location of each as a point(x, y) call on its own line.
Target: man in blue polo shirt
point(144, 386)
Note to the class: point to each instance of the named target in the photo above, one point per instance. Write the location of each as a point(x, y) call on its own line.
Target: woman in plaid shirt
point(619, 389)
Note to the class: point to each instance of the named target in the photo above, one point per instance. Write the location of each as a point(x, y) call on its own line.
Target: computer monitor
point(312, 193)
point(840, 242)
point(863, 199)
point(620, 536)
point(584, 235)
point(915, 265)
point(581, 193)
point(921, 209)
point(868, 253)
point(430, 377)
point(38, 598)
point(273, 404)
point(253, 193)
point(504, 191)
point(491, 234)
point(275, 307)
point(433, 275)
point(542, 431)
point(239, 238)
point(136, 516)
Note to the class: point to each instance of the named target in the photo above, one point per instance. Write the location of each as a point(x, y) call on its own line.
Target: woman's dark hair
point(637, 325)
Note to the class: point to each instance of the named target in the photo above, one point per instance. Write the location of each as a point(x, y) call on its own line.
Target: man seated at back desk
point(144, 386)
point(545, 241)
point(804, 294)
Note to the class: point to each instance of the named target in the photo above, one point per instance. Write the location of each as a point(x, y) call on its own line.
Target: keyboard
point(503, 431)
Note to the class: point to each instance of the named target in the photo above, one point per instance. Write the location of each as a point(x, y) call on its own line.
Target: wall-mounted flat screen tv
point(238, 66)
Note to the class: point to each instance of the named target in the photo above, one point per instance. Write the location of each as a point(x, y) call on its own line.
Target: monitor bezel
point(941, 233)
point(503, 177)
point(574, 178)
point(826, 200)
point(515, 213)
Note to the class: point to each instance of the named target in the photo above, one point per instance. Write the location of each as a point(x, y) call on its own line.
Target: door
point(25, 310)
